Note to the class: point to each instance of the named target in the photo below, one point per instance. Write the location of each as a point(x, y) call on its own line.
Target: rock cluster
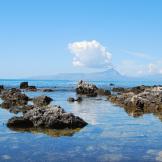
point(38, 115)
point(46, 117)
point(139, 100)
point(25, 85)
point(13, 97)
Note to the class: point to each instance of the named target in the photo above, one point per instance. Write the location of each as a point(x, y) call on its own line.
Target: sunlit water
point(111, 135)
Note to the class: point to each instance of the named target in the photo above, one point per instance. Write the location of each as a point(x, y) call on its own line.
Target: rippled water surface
point(111, 135)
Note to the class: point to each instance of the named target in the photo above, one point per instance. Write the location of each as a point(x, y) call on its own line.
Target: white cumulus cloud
point(90, 54)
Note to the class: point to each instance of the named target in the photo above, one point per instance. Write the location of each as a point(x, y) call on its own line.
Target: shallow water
point(111, 135)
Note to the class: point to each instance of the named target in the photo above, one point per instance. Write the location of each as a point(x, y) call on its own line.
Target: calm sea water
point(111, 135)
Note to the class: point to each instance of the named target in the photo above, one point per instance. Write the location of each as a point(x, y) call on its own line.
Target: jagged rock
point(45, 117)
point(141, 99)
point(87, 89)
point(23, 85)
point(13, 97)
point(42, 100)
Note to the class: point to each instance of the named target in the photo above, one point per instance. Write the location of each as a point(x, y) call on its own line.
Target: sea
point(112, 135)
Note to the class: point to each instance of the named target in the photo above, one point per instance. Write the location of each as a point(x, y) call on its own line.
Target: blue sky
point(35, 35)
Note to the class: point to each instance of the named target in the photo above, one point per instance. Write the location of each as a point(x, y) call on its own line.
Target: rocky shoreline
point(138, 100)
point(41, 114)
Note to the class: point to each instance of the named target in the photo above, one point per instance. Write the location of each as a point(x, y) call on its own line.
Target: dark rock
point(118, 89)
point(71, 99)
point(87, 89)
point(1, 88)
point(44, 117)
point(111, 84)
point(32, 88)
point(42, 100)
point(48, 90)
point(19, 122)
point(103, 92)
point(79, 99)
point(23, 85)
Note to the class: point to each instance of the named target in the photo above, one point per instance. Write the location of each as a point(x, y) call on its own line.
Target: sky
point(45, 37)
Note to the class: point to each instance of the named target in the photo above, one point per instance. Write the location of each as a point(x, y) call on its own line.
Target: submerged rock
point(42, 100)
point(71, 99)
point(44, 117)
point(87, 89)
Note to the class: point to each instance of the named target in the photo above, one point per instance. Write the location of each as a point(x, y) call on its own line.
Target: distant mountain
point(108, 75)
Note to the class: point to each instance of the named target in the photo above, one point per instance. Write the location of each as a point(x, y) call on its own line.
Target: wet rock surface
point(47, 117)
point(139, 100)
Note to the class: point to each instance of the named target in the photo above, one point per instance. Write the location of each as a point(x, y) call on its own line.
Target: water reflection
point(49, 132)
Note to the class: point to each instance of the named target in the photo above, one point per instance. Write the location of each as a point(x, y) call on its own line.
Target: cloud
point(90, 54)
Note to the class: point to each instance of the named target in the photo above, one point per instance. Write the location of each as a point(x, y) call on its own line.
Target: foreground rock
point(42, 100)
point(13, 97)
point(87, 89)
point(140, 100)
point(44, 117)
